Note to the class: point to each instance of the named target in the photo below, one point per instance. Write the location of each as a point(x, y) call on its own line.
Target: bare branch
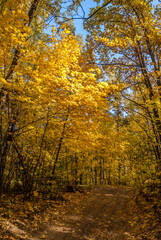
point(104, 5)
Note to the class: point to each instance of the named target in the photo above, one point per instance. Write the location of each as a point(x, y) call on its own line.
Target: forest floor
point(103, 213)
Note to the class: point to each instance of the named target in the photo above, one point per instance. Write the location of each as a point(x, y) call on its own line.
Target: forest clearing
point(80, 108)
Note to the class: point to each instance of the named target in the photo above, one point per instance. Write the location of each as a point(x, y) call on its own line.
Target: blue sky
point(87, 4)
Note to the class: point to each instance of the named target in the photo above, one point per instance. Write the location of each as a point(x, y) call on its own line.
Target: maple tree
point(48, 95)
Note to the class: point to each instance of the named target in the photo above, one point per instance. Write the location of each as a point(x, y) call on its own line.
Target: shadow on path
point(105, 213)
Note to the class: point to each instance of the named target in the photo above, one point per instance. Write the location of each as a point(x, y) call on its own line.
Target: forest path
point(106, 212)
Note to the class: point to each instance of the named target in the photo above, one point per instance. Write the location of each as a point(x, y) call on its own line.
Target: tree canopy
point(75, 113)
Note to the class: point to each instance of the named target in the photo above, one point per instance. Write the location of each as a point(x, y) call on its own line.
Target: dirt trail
point(106, 213)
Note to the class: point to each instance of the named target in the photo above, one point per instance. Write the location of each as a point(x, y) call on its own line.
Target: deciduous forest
point(74, 112)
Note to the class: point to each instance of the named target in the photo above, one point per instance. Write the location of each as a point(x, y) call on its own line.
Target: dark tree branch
point(136, 103)
point(133, 84)
point(17, 51)
point(104, 5)
point(32, 11)
point(82, 9)
point(116, 64)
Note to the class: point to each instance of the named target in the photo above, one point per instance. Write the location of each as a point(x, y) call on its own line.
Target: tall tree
point(125, 37)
